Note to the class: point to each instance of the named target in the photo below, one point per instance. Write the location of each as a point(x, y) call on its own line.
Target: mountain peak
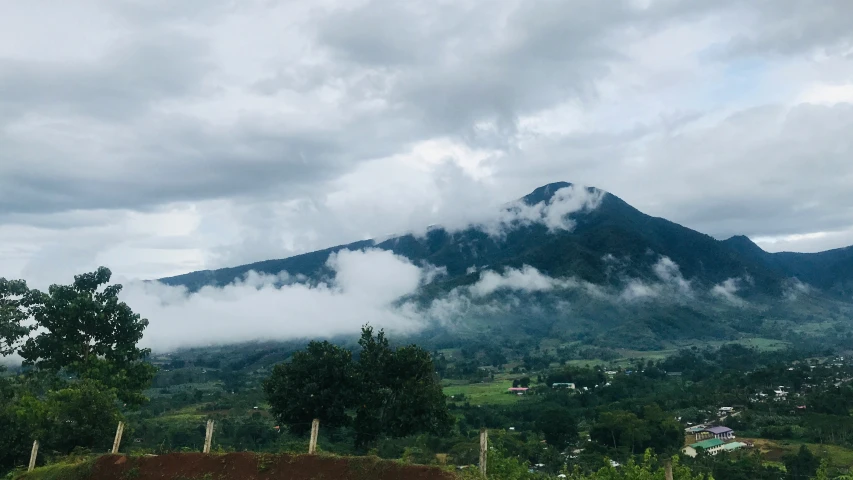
point(743, 244)
point(544, 193)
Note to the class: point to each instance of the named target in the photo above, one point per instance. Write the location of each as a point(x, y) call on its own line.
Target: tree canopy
point(317, 383)
point(86, 330)
point(12, 314)
point(81, 342)
point(392, 392)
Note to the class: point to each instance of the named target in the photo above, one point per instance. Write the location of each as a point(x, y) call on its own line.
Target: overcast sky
point(158, 137)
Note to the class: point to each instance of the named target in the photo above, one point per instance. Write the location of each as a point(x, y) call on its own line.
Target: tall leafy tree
point(12, 314)
point(392, 392)
point(316, 383)
point(82, 415)
point(399, 391)
point(558, 426)
point(803, 464)
point(86, 330)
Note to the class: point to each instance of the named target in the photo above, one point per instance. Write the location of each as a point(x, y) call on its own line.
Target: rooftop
point(733, 446)
point(718, 430)
point(706, 444)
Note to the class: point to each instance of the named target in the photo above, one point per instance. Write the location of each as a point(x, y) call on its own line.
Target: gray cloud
point(276, 128)
point(783, 171)
point(791, 27)
point(129, 79)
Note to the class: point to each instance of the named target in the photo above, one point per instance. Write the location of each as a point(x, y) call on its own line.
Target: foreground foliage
point(81, 360)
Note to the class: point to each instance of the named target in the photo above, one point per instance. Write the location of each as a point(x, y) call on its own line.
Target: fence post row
point(484, 448)
point(312, 445)
point(208, 436)
point(315, 431)
point(33, 456)
point(117, 441)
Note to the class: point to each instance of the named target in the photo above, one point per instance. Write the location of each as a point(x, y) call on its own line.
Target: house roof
point(718, 430)
point(706, 444)
point(733, 446)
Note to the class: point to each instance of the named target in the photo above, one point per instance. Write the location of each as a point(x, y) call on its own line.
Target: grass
point(773, 451)
point(76, 469)
point(630, 357)
point(489, 393)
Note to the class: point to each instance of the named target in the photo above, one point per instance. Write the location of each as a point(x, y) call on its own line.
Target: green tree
point(620, 429)
point(665, 434)
point(803, 464)
point(12, 314)
point(86, 330)
point(317, 383)
point(558, 426)
point(399, 391)
point(391, 392)
point(84, 414)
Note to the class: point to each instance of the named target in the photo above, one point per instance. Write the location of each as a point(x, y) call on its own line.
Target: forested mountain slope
point(614, 231)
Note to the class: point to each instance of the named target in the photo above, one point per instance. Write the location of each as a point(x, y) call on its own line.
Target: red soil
point(252, 466)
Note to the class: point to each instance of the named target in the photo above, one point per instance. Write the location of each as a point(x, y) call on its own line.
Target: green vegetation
point(487, 393)
point(391, 392)
point(71, 468)
point(81, 365)
point(401, 402)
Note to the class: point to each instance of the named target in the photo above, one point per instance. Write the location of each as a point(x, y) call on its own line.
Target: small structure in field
point(570, 386)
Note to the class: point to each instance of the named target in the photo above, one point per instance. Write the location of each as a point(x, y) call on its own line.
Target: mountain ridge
point(613, 228)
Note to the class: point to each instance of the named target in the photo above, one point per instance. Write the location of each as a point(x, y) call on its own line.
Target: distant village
point(712, 438)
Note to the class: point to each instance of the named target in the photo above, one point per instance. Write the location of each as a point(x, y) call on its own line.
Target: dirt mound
point(251, 466)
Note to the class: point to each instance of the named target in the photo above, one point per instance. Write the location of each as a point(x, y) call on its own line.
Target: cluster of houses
point(712, 440)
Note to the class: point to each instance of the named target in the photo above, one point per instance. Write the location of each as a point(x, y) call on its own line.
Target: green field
point(774, 450)
point(488, 393)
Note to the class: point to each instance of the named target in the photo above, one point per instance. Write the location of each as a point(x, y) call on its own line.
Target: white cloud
point(670, 274)
point(526, 279)
point(828, 94)
point(638, 290)
point(672, 284)
point(555, 213)
point(728, 291)
point(794, 288)
point(364, 290)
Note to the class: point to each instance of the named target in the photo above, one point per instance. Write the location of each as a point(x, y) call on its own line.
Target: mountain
point(734, 285)
point(613, 229)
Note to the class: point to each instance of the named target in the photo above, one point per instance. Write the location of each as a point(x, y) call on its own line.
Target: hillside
point(614, 228)
point(655, 280)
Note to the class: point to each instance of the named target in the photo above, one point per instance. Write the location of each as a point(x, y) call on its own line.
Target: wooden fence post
point(33, 456)
point(117, 441)
point(208, 436)
point(315, 431)
point(484, 448)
